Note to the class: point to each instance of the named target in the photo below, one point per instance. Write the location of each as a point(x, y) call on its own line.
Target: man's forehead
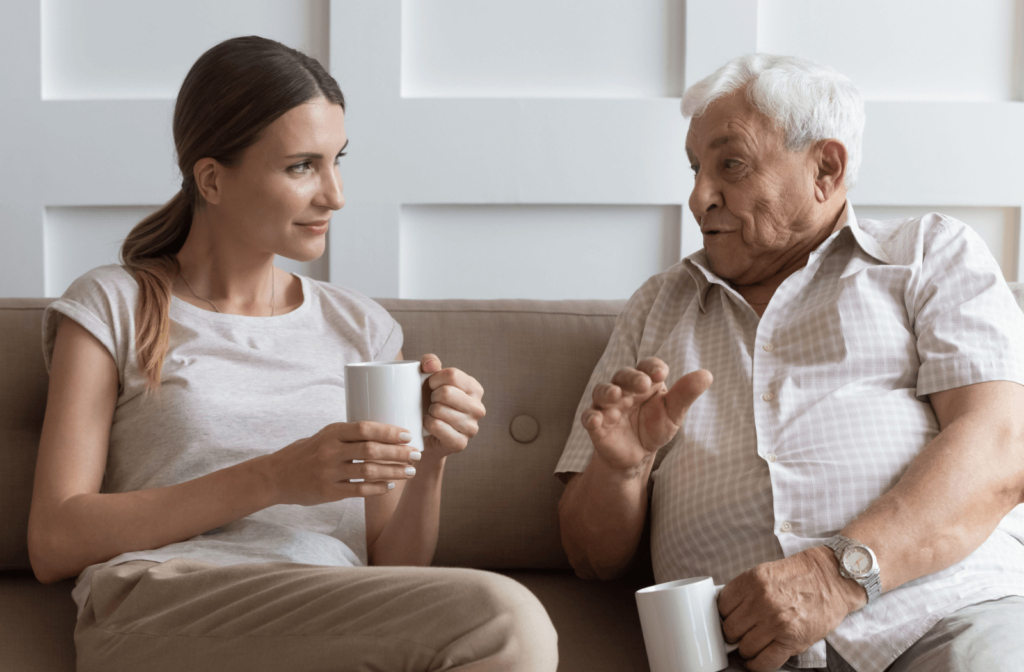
point(713, 136)
point(721, 125)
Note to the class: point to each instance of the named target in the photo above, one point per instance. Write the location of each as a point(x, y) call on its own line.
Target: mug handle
point(729, 648)
point(423, 381)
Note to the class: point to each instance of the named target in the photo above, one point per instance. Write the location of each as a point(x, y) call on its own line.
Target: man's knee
point(981, 638)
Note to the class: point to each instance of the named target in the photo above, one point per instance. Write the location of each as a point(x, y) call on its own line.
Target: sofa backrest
point(499, 508)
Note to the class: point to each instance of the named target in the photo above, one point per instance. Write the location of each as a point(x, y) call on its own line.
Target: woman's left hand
point(455, 408)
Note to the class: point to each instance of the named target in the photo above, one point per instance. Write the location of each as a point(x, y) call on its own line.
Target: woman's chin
point(304, 253)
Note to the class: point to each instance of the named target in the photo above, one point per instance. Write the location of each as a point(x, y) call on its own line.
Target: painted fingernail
point(415, 455)
point(410, 471)
point(405, 437)
point(391, 486)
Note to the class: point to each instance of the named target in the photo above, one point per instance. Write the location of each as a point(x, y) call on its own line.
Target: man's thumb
point(684, 392)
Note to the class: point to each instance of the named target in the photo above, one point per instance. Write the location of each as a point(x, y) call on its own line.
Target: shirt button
point(785, 527)
point(767, 396)
point(771, 457)
point(768, 347)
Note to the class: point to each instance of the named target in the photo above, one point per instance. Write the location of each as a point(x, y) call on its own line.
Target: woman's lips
point(315, 227)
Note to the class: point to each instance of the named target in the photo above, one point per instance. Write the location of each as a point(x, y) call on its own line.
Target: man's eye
point(730, 163)
point(695, 168)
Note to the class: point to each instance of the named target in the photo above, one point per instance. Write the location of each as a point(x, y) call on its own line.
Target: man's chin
point(726, 269)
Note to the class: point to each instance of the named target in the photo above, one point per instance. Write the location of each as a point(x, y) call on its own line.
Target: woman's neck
point(230, 275)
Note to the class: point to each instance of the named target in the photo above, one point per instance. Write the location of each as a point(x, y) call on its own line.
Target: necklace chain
point(273, 291)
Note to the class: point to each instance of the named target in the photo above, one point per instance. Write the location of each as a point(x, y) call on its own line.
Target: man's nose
point(705, 196)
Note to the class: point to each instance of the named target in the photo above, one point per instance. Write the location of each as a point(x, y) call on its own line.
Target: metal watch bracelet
point(872, 581)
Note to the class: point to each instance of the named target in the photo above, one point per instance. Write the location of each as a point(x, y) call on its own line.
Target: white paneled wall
point(530, 149)
point(904, 49)
point(542, 49)
point(522, 251)
point(118, 49)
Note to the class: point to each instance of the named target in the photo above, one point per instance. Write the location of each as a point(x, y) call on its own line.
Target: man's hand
point(779, 609)
point(636, 414)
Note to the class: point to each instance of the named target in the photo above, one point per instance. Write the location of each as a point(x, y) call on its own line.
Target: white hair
point(809, 102)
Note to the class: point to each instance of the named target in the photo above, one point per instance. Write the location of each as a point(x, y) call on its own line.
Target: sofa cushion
point(534, 358)
point(37, 624)
point(23, 383)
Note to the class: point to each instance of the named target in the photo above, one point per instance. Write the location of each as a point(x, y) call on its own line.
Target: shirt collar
point(700, 270)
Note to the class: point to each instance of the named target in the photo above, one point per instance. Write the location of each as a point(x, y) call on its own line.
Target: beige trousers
point(191, 616)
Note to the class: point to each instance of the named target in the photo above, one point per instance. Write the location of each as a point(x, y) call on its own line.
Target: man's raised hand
point(635, 414)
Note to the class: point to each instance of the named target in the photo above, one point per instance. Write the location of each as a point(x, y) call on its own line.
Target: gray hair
point(810, 102)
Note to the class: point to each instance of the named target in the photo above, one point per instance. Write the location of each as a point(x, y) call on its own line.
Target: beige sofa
point(500, 498)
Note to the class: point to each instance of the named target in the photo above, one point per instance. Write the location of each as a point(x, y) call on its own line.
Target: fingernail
point(391, 486)
point(415, 455)
point(410, 471)
point(405, 437)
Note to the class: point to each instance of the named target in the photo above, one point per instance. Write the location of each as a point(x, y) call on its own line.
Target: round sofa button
point(524, 429)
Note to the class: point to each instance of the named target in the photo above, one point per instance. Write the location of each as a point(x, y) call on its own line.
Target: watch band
point(872, 581)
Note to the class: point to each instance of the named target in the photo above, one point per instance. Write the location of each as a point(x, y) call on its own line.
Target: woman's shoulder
point(347, 301)
point(112, 280)
point(359, 316)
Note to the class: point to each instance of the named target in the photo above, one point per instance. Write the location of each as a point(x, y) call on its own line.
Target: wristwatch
point(857, 562)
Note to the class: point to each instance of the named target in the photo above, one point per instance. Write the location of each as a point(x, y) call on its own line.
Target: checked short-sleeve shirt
point(818, 407)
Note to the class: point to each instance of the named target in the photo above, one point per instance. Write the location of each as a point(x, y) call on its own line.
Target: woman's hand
point(455, 408)
point(321, 468)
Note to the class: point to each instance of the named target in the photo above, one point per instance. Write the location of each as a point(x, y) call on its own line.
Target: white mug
point(388, 392)
point(682, 628)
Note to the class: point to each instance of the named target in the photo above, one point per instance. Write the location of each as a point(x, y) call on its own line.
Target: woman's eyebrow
point(313, 155)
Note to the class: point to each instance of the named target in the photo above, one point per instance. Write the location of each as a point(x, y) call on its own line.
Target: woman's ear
point(831, 169)
point(208, 174)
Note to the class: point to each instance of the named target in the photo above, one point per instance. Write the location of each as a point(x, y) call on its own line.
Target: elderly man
point(867, 387)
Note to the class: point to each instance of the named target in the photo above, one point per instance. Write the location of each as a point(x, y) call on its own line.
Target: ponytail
point(149, 253)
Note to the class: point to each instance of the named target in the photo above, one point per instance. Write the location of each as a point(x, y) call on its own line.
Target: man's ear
point(831, 159)
point(208, 174)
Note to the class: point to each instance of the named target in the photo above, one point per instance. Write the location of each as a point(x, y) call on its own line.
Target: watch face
point(857, 560)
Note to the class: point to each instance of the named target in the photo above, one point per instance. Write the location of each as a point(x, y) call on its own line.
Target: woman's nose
point(333, 190)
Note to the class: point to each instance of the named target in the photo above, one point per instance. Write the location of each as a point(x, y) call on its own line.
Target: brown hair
point(233, 92)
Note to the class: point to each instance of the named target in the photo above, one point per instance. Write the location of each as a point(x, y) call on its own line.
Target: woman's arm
point(72, 525)
point(401, 527)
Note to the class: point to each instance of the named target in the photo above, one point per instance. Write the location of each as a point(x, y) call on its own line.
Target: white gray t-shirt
point(232, 388)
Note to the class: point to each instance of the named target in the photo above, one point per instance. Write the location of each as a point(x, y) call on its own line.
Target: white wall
point(535, 146)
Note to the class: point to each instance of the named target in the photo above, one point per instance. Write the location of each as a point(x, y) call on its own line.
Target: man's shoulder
point(672, 283)
point(907, 241)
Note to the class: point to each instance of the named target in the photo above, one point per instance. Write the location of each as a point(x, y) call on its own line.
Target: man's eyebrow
point(313, 155)
point(724, 140)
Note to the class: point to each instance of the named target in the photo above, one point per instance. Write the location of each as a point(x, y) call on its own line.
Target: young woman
point(193, 471)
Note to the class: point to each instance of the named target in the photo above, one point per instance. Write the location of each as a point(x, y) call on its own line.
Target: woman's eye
point(303, 167)
point(695, 168)
point(730, 163)
point(337, 159)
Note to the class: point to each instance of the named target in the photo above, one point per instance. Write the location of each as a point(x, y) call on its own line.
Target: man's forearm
point(948, 502)
point(602, 513)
